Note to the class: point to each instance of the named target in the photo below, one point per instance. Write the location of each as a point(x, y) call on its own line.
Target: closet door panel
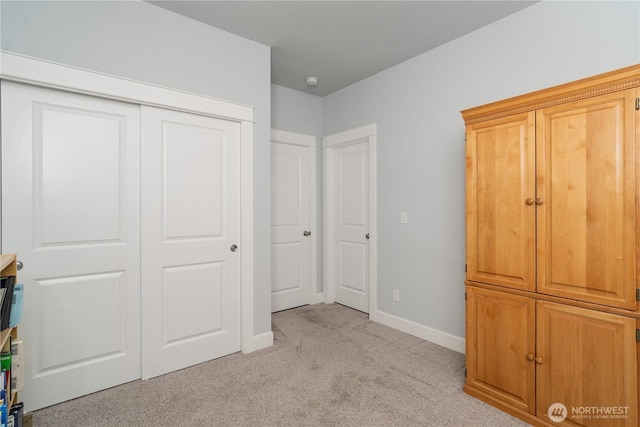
point(70, 210)
point(190, 223)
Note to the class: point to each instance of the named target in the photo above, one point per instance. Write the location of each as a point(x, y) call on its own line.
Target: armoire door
point(190, 239)
point(501, 346)
point(71, 211)
point(586, 360)
point(587, 165)
point(290, 226)
point(501, 239)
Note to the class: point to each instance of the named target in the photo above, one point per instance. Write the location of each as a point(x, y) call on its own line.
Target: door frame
point(367, 134)
point(310, 142)
point(36, 72)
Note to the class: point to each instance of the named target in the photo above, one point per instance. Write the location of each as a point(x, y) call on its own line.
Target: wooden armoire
point(553, 259)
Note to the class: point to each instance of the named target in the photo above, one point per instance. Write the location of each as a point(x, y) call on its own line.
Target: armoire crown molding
point(614, 81)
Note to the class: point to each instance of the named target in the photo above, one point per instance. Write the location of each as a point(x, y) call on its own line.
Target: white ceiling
point(342, 42)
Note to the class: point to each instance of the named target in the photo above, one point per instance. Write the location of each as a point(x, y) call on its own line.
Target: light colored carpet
point(329, 366)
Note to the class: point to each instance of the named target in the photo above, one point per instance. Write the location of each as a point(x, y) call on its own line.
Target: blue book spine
point(16, 306)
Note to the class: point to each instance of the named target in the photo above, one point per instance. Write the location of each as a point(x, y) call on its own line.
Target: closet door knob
point(539, 360)
point(539, 201)
point(529, 201)
point(234, 248)
point(530, 357)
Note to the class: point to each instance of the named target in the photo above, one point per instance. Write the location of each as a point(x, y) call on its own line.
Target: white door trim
point(366, 134)
point(293, 138)
point(309, 141)
point(37, 72)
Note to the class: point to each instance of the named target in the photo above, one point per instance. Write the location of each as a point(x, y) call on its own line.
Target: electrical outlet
point(396, 295)
point(403, 217)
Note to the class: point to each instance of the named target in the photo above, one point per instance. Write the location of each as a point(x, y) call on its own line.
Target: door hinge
point(465, 372)
point(637, 294)
point(465, 296)
point(465, 268)
point(638, 335)
point(637, 104)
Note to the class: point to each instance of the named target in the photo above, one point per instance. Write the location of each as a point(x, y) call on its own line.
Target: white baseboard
point(259, 342)
point(435, 336)
point(317, 298)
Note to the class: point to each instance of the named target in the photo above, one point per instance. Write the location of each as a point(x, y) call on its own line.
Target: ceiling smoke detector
point(312, 81)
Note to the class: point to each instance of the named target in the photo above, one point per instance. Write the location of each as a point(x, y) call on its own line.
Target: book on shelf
point(4, 407)
point(15, 314)
point(6, 283)
point(17, 366)
point(5, 366)
point(17, 411)
point(3, 292)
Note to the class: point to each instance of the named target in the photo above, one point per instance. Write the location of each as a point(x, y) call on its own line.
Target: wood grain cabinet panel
point(500, 336)
point(587, 363)
point(553, 229)
point(586, 223)
point(500, 223)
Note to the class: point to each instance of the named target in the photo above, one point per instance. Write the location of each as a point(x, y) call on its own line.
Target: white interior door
point(70, 199)
point(191, 221)
point(290, 226)
point(351, 219)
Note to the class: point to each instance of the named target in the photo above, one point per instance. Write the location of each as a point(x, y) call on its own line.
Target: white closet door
point(70, 210)
point(190, 222)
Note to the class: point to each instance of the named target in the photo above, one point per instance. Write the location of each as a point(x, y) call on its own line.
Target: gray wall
point(296, 111)
point(143, 42)
point(421, 160)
